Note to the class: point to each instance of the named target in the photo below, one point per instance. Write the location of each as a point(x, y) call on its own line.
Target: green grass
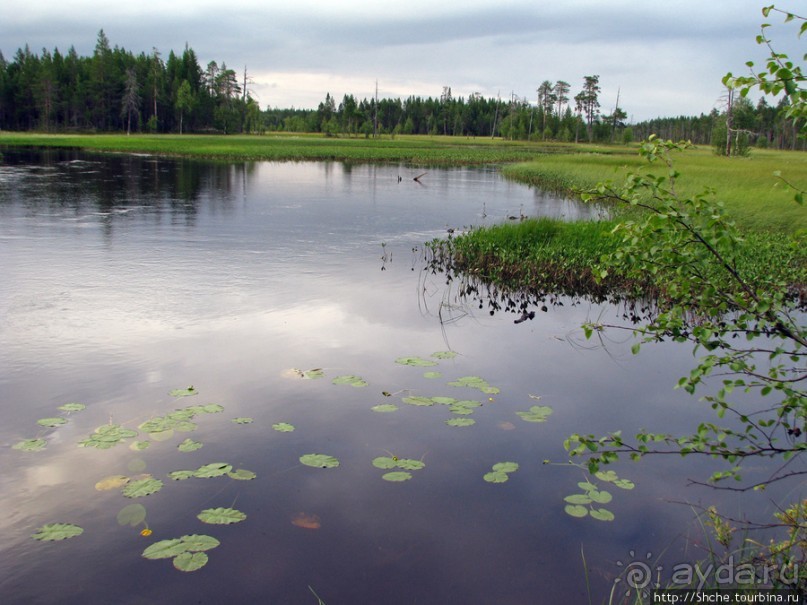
point(756, 199)
point(418, 150)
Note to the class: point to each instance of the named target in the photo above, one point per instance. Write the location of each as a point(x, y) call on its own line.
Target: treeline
point(116, 90)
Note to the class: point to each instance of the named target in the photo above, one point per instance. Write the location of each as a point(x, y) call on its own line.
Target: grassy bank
point(756, 198)
point(418, 150)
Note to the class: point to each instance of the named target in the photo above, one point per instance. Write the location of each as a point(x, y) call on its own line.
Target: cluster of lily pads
point(583, 504)
point(37, 444)
point(501, 472)
point(391, 462)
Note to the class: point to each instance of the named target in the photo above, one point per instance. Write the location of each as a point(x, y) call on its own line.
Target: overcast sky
point(665, 57)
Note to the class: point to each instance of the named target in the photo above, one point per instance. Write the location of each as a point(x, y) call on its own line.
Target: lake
point(246, 290)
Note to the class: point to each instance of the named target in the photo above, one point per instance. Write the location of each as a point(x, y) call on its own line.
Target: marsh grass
point(755, 197)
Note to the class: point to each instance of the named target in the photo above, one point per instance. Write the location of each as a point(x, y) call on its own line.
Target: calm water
point(122, 278)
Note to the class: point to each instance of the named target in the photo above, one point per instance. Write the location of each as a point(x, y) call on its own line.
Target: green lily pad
point(242, 420)
point(444, 400)
point(475, 382)
point(354, 381)
point(576, 510)
point(537, 413)
point(601, 514)
point(415, 361)
point(506, 467)
point(189, 445)
point(54, 532)
point(132, 514)
point(396, 476)
point(432, 375)
point(606, 476)
point(30, 445)
point(107, 436)
point(460, 421)
point(190, 561)
point(319, 460)
point(165, 549)
point(283, 427)
point(309, 374)
point(72, 407)
point(221, 516)
point(496, 477)
point(199, 542)
point(600, 496)
point(624, 484)
point(52, 422)
point(142, 487)
point(214, 469)
point(242, 474)
point(420, 401)
point(162, 435)
point(385, 462)
point(578, 499)
point(409, 464)
point(181, 475)
point(186, 392)
point(586, 486)
point(211, 408)
point(385, 407)
point(139, 445)
point(444, 355)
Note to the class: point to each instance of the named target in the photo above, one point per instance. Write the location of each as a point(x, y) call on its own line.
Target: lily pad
point(417, 400)
point(52, 422)
point(107, 436)
point(308, 374)
point(30, 445)
point(111, 482)
point(444, 400)
point(139, 445)
point(241, 474)
point(385, 462)
point(415, 361)
point(354, 381)
point(444, 355)
point(624, 484)
point(506, 467)
point(190, 561)
point(132, 515)
point(578, 499)
point(214, 469)
point(221, 516)
point(601, 514)
point(432, 375)
point(165, 549)
point(189, 445)
point(396, 476)
point(142, 487)
point(54, 532)
point(211, 408)
point(385, 407)
point(496, 477)
point(242, 420)
point(600, 496)
point(186, 392)
point(181, 475)
point(283, 427)
point(606, 475)
point(576, 510)
point(319, 460)
point(199, 542)
point(460, 421)
point(72, 407)
point(475, 382)
point(410, 464)
point(537, 413)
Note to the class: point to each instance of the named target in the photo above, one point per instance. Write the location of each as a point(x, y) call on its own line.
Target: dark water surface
point(122, 278)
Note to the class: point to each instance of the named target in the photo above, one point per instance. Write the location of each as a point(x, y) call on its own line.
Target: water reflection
point(126, 277)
